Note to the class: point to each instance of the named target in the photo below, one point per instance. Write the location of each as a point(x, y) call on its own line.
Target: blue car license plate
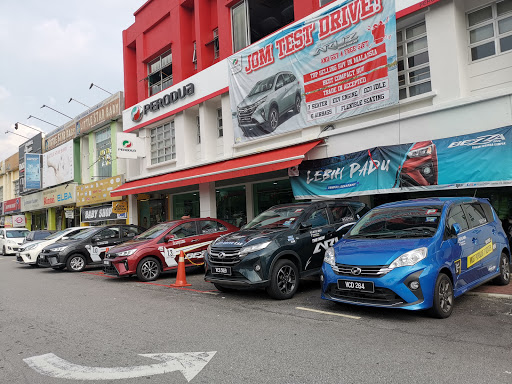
point(354, 285)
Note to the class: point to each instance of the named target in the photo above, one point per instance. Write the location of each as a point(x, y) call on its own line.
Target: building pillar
point(28, 220)
point(249, 202)
point(133, 212)
point(52, 219)
point(207, 201)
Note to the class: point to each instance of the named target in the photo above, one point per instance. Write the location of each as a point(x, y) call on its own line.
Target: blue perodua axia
point(418, 254)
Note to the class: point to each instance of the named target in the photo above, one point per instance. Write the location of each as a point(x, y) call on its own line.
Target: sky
point(51, 51)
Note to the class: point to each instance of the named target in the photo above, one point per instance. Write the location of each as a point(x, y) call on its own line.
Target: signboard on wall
point(32, 171)
point(58, 165)
point(32, 146)
point(61, 195)
point(451, 163)
point(18, 221)
point(101, 213)
point(129, 146)
point(336, 63)
point(119, 206)
point(8, 221)
point(12, 206)
point(32, 202)
point(98, 191)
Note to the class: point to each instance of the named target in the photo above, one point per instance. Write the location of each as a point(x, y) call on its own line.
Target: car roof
point(440, 201)
point(16, 229)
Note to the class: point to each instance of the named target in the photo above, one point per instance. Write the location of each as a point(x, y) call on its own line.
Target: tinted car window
point(16, 234)
point(341, 213)
point(184, 230)
point(130, 231)
point(108, 233)
point(475, 214)
point(210, 226)
point(41, 235)
point(319, 218)
point(280, 81)
point(458, 216)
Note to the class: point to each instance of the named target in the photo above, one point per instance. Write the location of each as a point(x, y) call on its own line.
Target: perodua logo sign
point(127, 144)
point(137, 113)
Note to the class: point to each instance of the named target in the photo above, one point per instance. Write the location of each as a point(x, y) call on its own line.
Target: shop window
point(160, 73)
point(252, 20)
point(186, 204)
point(220, 129)
point(16, 184)
point(152, 212)
point(216, 46)
point(231, 205)
point(271, 193)
point(103, 154)
point(1, 193)
point(413, 61)
point(490, 30)
point(163, 143)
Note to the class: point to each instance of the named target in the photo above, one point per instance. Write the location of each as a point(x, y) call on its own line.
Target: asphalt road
point(91, 320)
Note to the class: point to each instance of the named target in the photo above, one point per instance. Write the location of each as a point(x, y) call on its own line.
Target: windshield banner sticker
point(451, 163)
point(338, 62)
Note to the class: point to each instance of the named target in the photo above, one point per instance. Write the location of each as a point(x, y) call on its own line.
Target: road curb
point(495, 295)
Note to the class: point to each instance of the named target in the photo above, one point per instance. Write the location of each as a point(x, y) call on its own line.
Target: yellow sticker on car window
point(480, 254)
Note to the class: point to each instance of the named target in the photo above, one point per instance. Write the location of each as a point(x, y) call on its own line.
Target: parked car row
point(415, 254)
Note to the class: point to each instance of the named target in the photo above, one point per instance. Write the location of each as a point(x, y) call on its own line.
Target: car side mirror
point(1, 236)
point(168, 238)
point(455, 229)
point(305, 225)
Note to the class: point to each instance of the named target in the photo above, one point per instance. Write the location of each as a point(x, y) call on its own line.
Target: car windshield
point(262, 86)
point(16, 234)
point(84, 234)
point(282, 217)
point(156, 231)
point(398, 222)
point(56, 234)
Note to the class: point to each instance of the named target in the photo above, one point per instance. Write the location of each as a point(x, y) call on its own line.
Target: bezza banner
point(471, 161)
point(338, 62)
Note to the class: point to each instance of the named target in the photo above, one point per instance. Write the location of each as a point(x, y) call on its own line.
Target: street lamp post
point(94, 85)
point(63, 114)
point(44, 121)
point(28, 126)
point(71, 99)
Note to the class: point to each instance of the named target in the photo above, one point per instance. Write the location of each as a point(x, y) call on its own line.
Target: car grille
point(381, 296)
point(224, 256)
point(110, 270)
point(366, 270)
point(245, 114)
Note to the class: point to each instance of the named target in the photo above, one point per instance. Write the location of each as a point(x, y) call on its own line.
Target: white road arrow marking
point(190, 364)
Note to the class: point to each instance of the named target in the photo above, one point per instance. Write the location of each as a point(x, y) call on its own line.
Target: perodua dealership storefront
point(371, 107)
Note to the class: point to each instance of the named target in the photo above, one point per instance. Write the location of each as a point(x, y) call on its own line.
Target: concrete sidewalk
point(489, 289)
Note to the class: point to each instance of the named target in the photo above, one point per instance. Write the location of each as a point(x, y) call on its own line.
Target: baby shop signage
point(338, 62)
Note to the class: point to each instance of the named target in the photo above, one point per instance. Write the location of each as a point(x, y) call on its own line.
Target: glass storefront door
point(152, 212)
point(186, 204)
point(271, 193)
point(231, 206)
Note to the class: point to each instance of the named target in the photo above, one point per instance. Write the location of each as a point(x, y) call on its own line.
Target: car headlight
point(29, 247)
point(329, 257)
point(127, 253)
point(421, 152)
point(409, 258)
point(260, 101)
point(59, 249)
point(254, 248)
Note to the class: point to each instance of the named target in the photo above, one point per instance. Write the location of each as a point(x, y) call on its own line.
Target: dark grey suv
point(260, 112)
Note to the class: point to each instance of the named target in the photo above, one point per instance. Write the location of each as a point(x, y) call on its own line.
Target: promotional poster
point(32, 171)
point(58, 165)
point(338, 62)
point(450, 163)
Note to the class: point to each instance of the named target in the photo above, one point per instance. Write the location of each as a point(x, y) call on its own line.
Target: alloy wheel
point(149, 269)
point(445, 296)
point(77, 263)
point(505, 269)
point(273, 119)
point(286, 279)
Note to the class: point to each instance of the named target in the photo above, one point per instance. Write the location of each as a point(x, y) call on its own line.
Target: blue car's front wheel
point(442, 305)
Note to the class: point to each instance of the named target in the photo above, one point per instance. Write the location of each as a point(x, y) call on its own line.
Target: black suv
point(86, 247)
point(281, 245)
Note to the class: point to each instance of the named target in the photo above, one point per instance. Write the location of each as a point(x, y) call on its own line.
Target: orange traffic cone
point(181, 279)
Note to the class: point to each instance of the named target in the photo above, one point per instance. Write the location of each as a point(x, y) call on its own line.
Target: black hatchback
point(86, 247)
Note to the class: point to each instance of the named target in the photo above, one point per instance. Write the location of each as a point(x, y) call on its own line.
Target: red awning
point(229, 169)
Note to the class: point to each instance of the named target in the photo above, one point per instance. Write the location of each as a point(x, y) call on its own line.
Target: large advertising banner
point(58, 165)
point(471, 161)
point(338, 62)
point(32, 171)
point(34, 145)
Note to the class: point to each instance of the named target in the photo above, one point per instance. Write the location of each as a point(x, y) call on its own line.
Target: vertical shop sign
point(32, 171)
point(336, 63)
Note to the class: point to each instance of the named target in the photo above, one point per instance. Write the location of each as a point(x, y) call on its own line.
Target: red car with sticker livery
point(157, 250)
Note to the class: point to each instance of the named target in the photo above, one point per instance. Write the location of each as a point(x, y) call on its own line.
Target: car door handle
point(474, 240)
point(494, 231)
point(194, 240)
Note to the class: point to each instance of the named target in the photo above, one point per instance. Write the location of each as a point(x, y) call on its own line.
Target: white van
point(11, 239)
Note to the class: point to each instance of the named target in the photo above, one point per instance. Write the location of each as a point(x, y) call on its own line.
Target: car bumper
point(117, 267)
point(52, 259)
point(241, 274)
point(11, 249)
point(390, 290)
point(26, 257)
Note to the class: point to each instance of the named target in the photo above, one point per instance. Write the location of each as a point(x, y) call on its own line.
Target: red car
point(420, 165)
point(157, 250)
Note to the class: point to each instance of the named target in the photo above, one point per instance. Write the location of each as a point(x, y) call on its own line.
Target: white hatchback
point(11, 238)
point(29, 252)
